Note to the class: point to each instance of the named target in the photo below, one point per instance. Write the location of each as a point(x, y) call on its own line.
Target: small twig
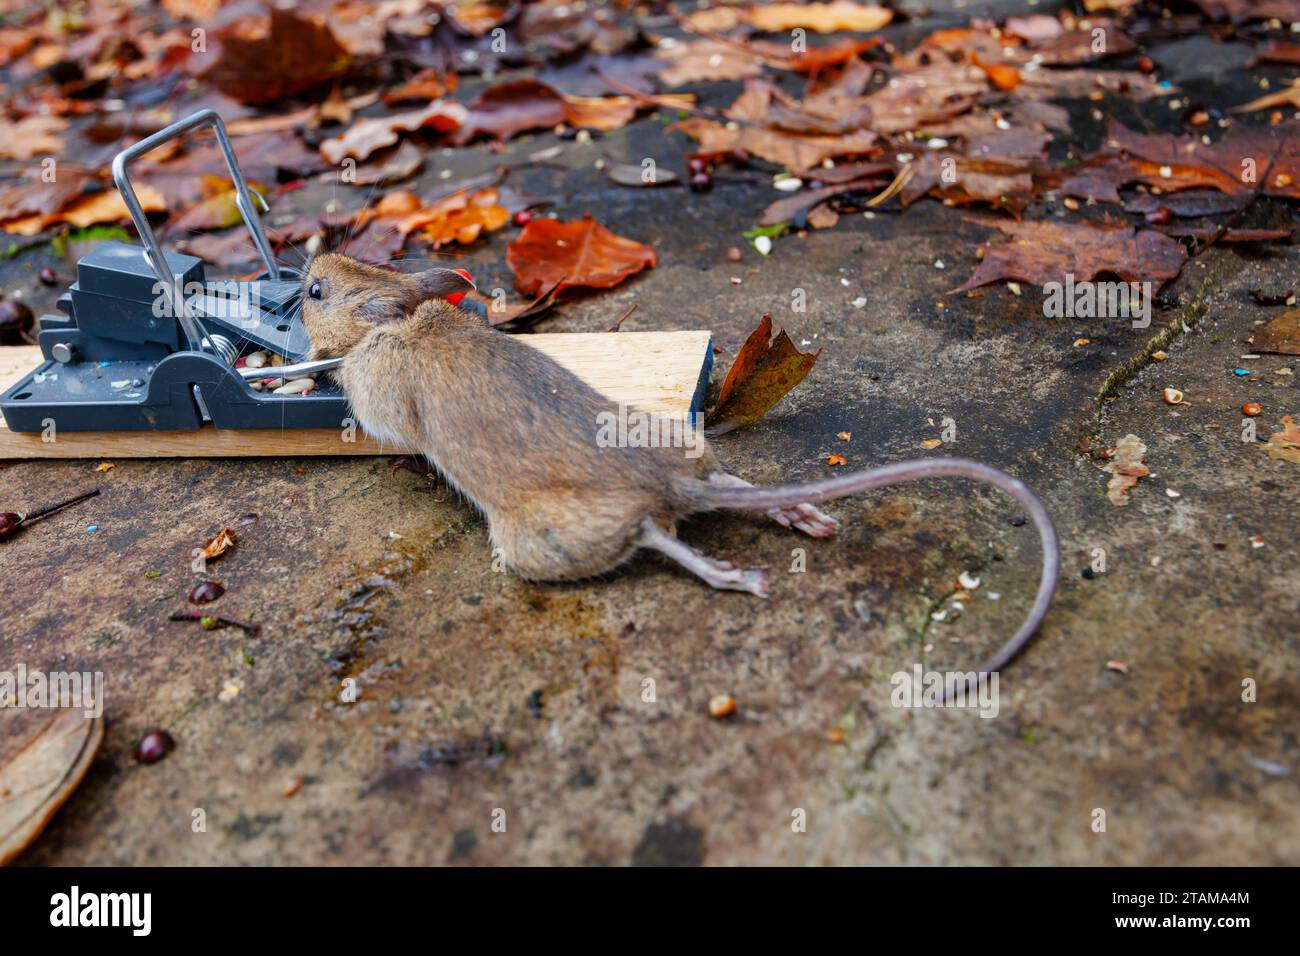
point(615, 326)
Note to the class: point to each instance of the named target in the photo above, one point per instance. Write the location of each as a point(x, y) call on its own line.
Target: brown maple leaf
point(580, 253)
point(764, 371)
point(286, 56)
point(1043, 252)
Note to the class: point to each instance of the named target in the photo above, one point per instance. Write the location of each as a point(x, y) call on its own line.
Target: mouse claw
point(806, 518)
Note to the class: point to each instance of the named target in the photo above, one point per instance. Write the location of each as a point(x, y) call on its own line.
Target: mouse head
point(343, 299)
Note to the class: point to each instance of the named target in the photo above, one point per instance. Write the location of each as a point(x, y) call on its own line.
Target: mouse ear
point(441, 283)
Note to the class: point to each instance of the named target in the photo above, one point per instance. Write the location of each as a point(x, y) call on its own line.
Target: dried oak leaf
point(580, 253)
point(45, 755)
point(365, 136)
point(765, 369)
point(1281, 335)
point(1042, 252)
point(219, 545)
point(1125, 468)
point(821, 17)
point(266, 62)
point(1285, 445)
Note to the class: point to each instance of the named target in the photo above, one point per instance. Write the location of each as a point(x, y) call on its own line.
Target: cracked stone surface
point(485, 698)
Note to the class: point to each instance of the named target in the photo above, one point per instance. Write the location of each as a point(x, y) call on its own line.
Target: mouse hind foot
point(803, 517)
point(714, 573)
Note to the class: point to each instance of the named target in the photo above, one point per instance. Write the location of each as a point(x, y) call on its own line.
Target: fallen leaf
point(219, 545)
point(31, 136)
point(765, 369)
point(48, 754)
point(466, 219)
point(1125, 468)
point(218, 211)
point(1042, 252)
point(796, 153)
point(88, 210)
point(273, 60)
point(1281, 335)
point(365, 136)
point(1285, 445)
point(507, 109)
point(821, 17)
point(579, 253)
point(1287, 96)
point(1246, 159)
point(707, 61)
point(428, 84)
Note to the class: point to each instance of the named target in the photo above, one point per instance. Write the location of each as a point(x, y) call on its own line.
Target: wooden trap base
point(664, 372)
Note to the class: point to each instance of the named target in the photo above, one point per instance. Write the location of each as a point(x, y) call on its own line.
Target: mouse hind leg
point(807, 518)
point(714, 573)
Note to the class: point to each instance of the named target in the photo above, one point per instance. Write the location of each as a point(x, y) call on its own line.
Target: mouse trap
point(150, 358)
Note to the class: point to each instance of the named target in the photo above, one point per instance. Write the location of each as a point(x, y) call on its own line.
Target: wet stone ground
point(486, 699)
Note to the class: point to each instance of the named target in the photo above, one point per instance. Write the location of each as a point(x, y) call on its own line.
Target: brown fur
point(510, 428)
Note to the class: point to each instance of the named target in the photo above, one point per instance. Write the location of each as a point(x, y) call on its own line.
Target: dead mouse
point(516, 434)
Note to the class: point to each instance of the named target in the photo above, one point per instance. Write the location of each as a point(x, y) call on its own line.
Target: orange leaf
point(575, 253)
point(223, 542)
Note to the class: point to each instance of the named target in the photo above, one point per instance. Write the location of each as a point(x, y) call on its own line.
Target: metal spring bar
point(190, 325)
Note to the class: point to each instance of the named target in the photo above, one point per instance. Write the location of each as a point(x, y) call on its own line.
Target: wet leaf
point(1042, 252)
point(765, 370)
point(1248, 159)
point(1280, 336)
point(45, 756)
point(579, 253)
point(269, 61)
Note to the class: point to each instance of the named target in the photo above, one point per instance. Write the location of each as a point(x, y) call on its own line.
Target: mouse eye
point(313, 290)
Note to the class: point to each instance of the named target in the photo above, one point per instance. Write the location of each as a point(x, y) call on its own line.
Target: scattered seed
point(1251, 409)
point(834, 460)
point(206, 591)
point(292, 787)
point(1159, 356)
point(723, 705)
point(844, 436)
point(734, 254)
point(789, 184)
point(763, 244)
point(1173, 396)
point(1120, 666)
point(836, 736)
point(153, 746)
point(968, 581)
point(1078, 343)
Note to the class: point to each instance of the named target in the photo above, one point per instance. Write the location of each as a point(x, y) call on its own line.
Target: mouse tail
point(746, 497)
